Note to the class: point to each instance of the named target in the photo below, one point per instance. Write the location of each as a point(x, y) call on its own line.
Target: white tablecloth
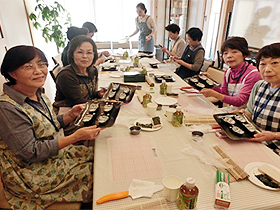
point(169, 142)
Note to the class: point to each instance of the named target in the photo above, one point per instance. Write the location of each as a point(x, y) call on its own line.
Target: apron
point(143, 45)
point(234, 89)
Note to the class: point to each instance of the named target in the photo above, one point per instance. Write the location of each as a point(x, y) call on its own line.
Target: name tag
point(59, 134)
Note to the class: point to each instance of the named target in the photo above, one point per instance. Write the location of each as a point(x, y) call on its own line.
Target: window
point(114, 19)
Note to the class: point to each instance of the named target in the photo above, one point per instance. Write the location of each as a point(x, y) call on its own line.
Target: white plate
point(116, 74)
point(147, 120)
point(166, 101)
point(159, 73)
point(252, 170)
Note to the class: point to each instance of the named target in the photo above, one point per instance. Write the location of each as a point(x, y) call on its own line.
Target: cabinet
point(176, 12)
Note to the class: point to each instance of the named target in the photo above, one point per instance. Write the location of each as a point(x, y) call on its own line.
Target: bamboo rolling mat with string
point(194, 119)
point(155, 204)
point(235, 171)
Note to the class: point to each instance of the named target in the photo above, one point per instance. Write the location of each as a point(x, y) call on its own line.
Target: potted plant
point(51, 19)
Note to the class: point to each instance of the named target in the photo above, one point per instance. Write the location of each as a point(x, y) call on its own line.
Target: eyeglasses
point(31, 67)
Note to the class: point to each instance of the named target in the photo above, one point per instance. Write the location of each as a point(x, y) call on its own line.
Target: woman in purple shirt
point(239, 78)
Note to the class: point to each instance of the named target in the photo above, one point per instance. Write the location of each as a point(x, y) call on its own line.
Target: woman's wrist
point(71, 114)
point(275, 136)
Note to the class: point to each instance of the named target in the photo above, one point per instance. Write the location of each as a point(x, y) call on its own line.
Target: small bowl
point(135, 130)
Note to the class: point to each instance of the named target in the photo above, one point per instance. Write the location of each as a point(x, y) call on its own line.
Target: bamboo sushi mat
point(235, 171)
point(156, 204)
point(193, 119)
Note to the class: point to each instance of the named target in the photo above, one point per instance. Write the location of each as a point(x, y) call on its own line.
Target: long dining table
point(150, 156)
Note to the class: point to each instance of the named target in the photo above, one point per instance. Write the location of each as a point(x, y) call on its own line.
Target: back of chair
point(54, 72)
point(57, 59)
point(216, 74)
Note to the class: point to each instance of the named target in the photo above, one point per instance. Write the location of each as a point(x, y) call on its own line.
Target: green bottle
point(147, 98)
point(163, 88)
point(178, 117)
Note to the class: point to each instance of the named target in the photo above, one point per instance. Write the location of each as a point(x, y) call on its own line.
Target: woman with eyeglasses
point(78, 82)
point(38, 165)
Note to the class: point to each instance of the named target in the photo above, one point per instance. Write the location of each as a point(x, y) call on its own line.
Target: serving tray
point(226, 127)
point(100, 111)
point(119, 91)
point(167, 78)
point(202, 79)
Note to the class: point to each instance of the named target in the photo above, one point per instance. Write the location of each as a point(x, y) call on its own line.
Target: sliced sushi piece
point(200, 85)
point(209, 83)
point(108, 107)
point(240, 118)
point(122, 96)
point(250, 128)
point(103, 119)
point(202, 77)
point(194, 79)
point(236, 130)
point(93, 107)
point(228, 120)
point(126, 89)
point(88, 119)
point(111, 94)
point(115, 86)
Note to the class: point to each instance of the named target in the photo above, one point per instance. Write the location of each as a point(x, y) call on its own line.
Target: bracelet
point(275, 136)
point(70, 115)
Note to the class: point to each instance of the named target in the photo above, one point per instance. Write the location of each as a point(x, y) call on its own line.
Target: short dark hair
point(18, 56)
point(268, 51)
point(142, 6)
point(76, 42)
point(74, 31)
point(90, 26)
point(236, 42)
point(173, 28)
point(195, 33)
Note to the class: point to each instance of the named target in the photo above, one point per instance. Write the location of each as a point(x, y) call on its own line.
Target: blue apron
point(143, 45)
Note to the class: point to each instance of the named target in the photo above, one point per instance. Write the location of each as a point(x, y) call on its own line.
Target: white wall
point(14, 27)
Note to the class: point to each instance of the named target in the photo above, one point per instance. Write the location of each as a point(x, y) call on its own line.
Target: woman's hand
point(102, 92)
point(87, 133)
point(148, 38)
point(163, 49)
point(263, 136)
point(76, 110)
point(105, 53)
point(207, 92)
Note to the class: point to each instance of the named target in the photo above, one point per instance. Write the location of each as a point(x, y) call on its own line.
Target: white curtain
point(114, 19)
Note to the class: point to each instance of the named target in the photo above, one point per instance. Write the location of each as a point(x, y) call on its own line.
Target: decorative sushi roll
point(108, 107)
point(209, 83)
point(194, 80)
point(236, 130)
point(200, 85)
point(202, 77)
point(87, 120)
point(115, 86)
point(93, 107)
point(126, 89)
point(250, 128)
point(111, 94)
point(228, 120)
point(122, 96)
point(103, 119)
point(240, 118)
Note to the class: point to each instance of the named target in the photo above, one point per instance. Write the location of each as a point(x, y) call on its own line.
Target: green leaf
point(32, 16)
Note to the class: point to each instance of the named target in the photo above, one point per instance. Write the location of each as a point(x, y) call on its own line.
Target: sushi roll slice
point(93, 107)
point(250, 128)
point(111, 94)
point(240, 118)
point(236, 130)
point(122, 96)
point(209, 83)
point(202, 77)
point(108, 107)
point(228, 120)
point(193, 80)
point(115, 86)
point(88, 119)
point(200, 85)
point(103, 120)
point(126, 89)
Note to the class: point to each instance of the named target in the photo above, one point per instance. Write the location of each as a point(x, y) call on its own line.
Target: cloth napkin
point(139, 188)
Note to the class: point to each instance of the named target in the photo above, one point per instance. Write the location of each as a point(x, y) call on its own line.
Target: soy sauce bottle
point(188, 195)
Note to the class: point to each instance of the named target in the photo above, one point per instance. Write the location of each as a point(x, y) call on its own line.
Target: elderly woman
point(264, 102)
point(38, 165)
point(239, 78)
point(78, 82)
